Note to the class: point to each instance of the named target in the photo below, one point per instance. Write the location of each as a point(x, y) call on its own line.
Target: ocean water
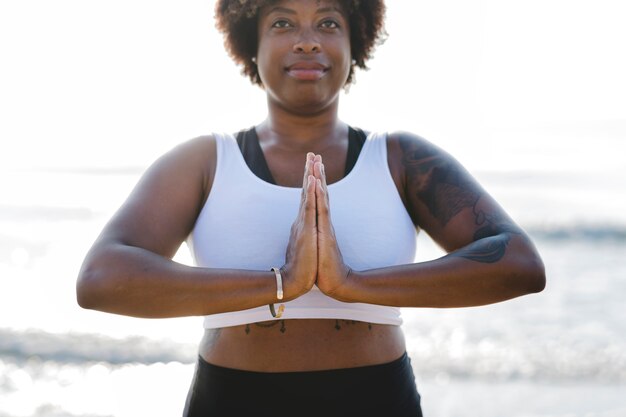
point(558, 353)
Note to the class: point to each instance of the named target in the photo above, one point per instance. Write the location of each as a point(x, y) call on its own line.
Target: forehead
point(319, 6)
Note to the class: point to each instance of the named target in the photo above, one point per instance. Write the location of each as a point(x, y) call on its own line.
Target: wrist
point(349, 290)
point(291, 289)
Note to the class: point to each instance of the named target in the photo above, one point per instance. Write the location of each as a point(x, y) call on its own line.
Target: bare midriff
point(302, 345)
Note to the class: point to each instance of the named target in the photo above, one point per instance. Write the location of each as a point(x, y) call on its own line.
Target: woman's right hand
point(300, 270)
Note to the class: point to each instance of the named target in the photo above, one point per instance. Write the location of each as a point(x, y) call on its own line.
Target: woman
point(311, 217)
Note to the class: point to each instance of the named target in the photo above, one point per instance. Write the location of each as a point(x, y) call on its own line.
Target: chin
point(311, 105)
point(305, 100)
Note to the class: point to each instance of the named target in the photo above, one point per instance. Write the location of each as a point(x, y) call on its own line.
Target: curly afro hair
point(238, 20)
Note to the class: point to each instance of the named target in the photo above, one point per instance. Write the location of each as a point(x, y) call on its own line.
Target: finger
point(320, 173)
point(317, 161)
point(315, 166)
point(307, 172)
point(323, 177)
point(308, 169)
point(317, 170)
point(310, 202)
point(323, 208)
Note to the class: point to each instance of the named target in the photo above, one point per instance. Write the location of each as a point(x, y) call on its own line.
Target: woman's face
point(303, 55)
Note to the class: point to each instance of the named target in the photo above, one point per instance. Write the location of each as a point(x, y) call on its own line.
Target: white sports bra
point(246, 221)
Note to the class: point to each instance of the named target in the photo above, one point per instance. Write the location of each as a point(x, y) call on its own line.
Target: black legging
point(379, 390)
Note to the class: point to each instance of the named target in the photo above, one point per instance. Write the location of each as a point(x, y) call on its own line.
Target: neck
point(302, 132)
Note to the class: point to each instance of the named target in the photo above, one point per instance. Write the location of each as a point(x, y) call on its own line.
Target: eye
point(329, 24)
point(281, 24)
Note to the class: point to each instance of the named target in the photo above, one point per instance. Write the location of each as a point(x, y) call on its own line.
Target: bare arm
point(490, 258)
point(129, 269)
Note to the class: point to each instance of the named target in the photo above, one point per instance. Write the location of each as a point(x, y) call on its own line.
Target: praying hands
point(313, 255)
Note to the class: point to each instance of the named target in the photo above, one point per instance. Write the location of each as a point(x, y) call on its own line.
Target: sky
point(88, 84)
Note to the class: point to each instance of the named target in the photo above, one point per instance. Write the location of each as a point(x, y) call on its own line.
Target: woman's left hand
point(332, 272)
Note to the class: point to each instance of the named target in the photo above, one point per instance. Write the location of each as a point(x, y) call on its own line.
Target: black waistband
point(360, 371)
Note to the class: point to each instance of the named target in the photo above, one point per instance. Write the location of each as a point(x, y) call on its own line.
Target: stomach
point(302, 345)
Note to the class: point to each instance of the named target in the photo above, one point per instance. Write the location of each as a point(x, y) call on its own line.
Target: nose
point(307, 43)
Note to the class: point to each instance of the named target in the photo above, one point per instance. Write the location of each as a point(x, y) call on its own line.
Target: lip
point(307, 70)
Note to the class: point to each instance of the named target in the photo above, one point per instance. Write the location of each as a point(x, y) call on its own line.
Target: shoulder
point(189, 164)
point(405, 145)
point(194, 154)
point(417, 157)
point(196, 149)
point(200, 154)
point(401, 148)
point(404, 149)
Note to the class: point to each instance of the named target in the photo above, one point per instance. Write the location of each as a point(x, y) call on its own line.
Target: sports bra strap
point(248, 142)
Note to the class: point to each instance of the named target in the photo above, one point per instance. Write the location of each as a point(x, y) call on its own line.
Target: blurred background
point(529, 96)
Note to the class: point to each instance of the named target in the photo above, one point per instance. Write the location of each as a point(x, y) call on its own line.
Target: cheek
point(346, 59)
point(270, 55)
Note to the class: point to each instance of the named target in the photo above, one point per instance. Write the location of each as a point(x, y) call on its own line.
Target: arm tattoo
point(487, 250)
point(492, 224)
point(490, 239)
point(446, 189)
point(441, 185)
